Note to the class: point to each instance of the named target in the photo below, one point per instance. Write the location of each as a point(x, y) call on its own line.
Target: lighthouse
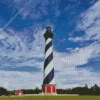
point(49, 86)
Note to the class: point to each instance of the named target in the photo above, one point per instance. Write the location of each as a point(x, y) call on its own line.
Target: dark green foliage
point(95, 90)
point(30, 91)
point(3, 91)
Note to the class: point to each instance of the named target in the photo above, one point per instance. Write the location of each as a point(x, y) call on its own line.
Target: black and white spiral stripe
point(48, 64)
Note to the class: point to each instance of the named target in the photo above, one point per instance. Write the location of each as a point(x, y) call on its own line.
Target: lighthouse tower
point(49, 86)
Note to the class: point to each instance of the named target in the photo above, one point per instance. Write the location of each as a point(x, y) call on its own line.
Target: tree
point(37, 90)
point(3, 91)
point(95, 90)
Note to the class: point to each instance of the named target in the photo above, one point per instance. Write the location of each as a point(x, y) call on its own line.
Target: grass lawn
point(52, 98)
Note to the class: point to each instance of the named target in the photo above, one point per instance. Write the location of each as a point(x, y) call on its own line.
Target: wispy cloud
point(76, 39)
point(2, 36)
point(67, 72)
point(32, 55)
point(26, 49)
point(16, 50)
point(68, 62)
point(15, 53)
point(19, 80)
point(37, 9)
point(90, 22)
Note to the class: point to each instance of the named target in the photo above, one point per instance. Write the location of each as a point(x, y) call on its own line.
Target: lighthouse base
point(49, 89)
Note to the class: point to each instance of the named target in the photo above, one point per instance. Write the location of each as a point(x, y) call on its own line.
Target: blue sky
point(76, 26)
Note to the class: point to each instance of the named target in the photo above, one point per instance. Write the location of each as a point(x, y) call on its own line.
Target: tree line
point(94, 90)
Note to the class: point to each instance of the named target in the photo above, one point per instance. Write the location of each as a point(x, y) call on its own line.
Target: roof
point(18, 91)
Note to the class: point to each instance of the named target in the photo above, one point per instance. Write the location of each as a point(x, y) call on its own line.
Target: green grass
point(52, 98)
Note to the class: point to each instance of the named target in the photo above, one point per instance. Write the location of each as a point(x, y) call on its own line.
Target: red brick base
point(49, 89)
